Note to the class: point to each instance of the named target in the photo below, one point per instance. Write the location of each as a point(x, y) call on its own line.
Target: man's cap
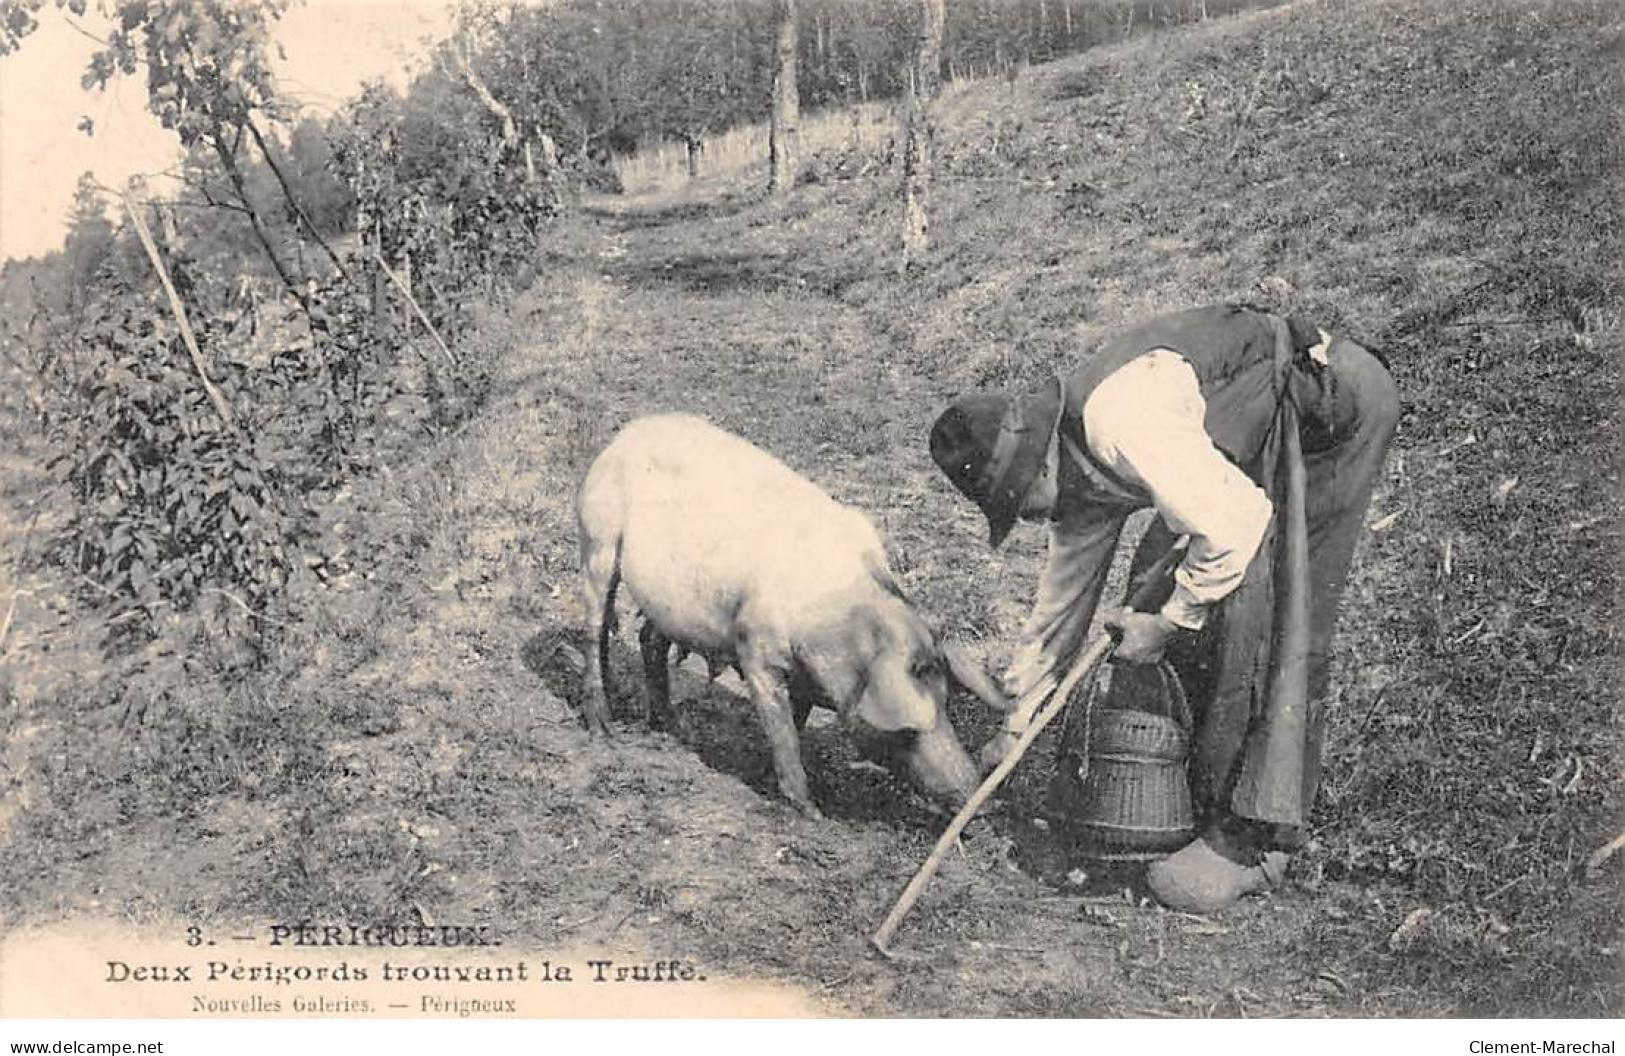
point(992, 447)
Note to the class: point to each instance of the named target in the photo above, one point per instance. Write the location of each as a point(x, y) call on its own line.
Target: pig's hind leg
point(600, 575)
point(656, 650)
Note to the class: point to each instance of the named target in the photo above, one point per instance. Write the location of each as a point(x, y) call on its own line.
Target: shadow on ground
point(720, 272)
point(632, 216)
point(847, 773)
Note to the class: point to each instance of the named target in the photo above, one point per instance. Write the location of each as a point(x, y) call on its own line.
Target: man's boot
point(1212, 872)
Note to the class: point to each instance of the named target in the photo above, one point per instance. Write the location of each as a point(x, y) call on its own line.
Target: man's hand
point(969, 672)
point(1140, 636)
point(998, 746)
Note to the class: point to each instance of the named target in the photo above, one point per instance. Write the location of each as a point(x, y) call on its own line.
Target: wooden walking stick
point(1149, 593)
point(1052, 707)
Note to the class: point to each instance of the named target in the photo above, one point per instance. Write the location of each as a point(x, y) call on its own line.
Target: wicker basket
point(1135, 800)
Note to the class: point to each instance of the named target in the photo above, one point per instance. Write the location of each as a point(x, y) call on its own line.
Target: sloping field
point(1440, 180)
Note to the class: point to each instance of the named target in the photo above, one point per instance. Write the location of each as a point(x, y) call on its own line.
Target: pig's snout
point(939, 763)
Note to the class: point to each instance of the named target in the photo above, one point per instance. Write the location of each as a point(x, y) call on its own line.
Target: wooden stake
point(1600, 856)
point(11, 611)
point(407, 293)
point(132, 205)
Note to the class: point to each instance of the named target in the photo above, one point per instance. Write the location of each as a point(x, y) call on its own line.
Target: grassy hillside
point(1440, 180)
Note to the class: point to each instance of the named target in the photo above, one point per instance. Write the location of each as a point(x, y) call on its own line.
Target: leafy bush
point(169, 501)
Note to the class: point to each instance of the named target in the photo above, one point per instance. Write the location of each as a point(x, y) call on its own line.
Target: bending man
point(1259, 439)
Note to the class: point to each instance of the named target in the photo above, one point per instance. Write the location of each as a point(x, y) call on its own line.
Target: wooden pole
point(1150, 591)
point(407, 292)
point(1055, 705)
point(133, 206)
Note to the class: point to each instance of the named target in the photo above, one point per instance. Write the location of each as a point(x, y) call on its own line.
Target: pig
point(728, 552)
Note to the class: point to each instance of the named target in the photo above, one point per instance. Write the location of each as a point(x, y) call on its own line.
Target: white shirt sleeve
point(1144, 422)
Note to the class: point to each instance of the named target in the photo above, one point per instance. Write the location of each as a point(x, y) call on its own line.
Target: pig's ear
point(973, 676)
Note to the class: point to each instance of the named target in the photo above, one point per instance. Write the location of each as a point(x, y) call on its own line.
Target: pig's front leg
point(772, 699)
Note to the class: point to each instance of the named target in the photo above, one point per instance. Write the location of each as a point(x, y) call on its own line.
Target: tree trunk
point(510, 130)
point(227, 153)
point(695, 146)
point(933, 20)
point(924, 78)
point(822, 27)
point(288, 196)
point(783, 132)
